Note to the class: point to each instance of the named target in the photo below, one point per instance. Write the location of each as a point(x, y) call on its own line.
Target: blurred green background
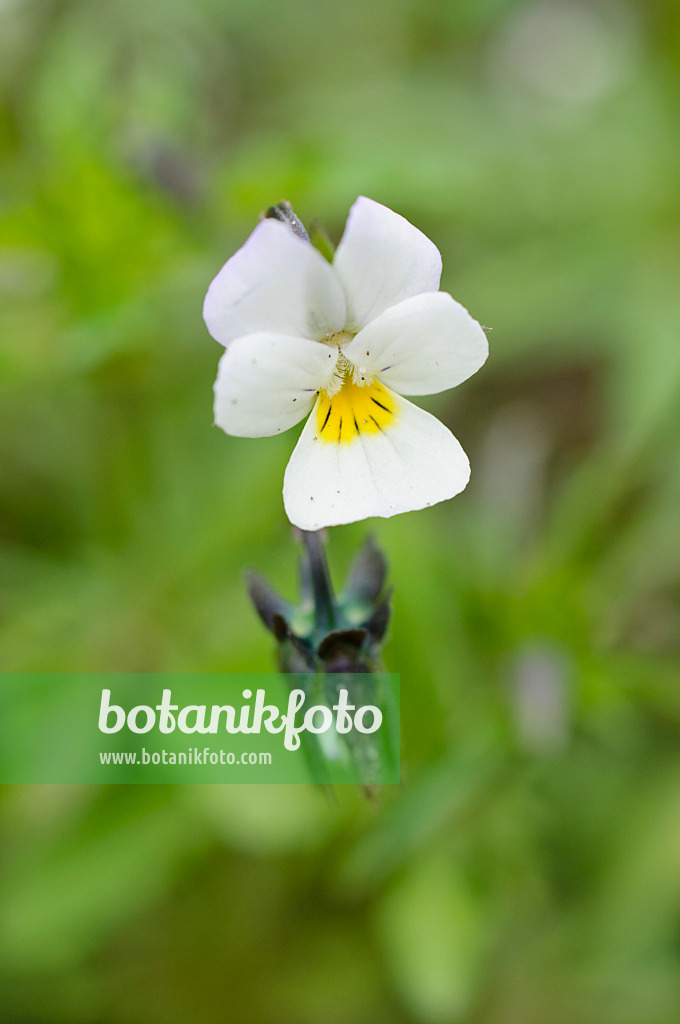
point(528, 872)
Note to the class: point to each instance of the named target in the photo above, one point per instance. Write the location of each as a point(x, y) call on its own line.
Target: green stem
point(322, 588)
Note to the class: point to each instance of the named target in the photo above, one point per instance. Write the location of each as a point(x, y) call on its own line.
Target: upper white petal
point(414, 463)
point(421, 346)
point(266, 383)
point(275, 282)
point(382, 259)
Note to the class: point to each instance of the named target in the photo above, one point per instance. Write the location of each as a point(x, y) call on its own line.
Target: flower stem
point(322, 588)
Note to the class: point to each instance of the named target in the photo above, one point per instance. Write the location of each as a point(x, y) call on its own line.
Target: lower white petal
point(408, 463)
point(267, 383)
point(426, 344)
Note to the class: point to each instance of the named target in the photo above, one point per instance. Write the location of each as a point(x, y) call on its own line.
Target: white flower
point(344, 341)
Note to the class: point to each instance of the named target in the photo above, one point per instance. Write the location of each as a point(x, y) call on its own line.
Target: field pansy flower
point(342, 343)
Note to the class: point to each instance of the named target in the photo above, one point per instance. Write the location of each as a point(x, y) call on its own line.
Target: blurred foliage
point(529, 869)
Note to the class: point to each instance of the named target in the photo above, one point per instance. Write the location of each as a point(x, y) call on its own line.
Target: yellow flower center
point(355, 410)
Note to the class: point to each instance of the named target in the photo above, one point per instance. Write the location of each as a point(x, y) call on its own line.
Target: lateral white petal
point(426, 344)
point(381, 260)
point(275, 282)
point(266, 383)
point(414, 463)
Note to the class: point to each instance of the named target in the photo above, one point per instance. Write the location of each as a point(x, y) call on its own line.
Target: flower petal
point(424, 345)
point(413, 463)
point(275, 282)
point(381, 260)
point(266, 383)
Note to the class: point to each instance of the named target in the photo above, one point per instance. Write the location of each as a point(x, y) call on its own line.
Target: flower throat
point(354, 409)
